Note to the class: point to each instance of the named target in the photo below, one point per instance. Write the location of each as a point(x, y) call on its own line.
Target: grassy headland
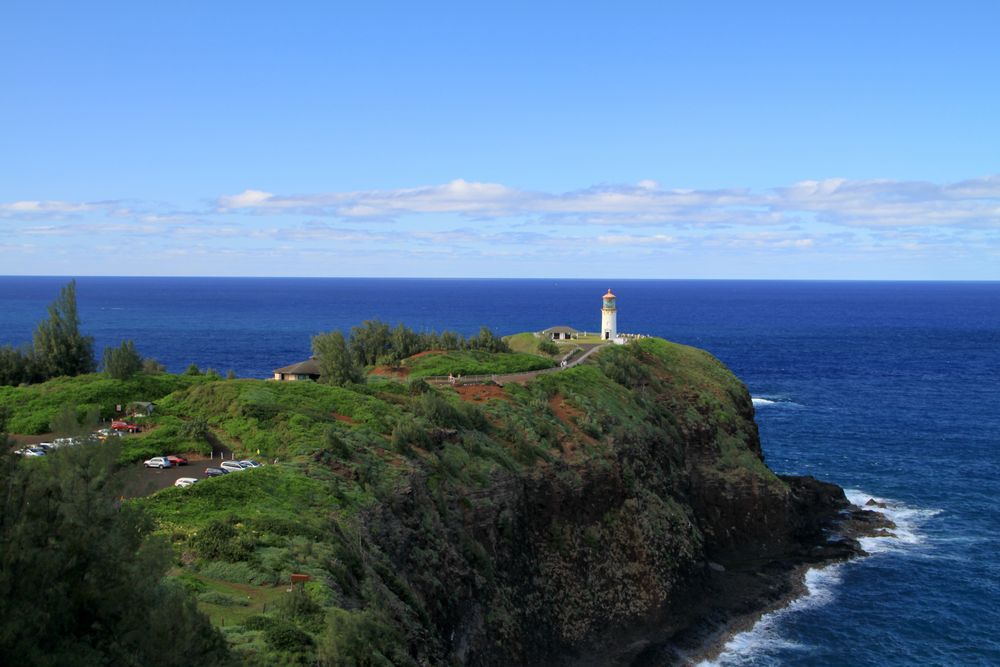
point(404, 502)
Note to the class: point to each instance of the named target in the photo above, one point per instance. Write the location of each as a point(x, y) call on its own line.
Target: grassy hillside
point(473, 362)
point(395, 497)
point(33, 407)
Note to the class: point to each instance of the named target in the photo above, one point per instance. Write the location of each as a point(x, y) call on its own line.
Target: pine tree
point(59, 347)
point(122, 362)
point(81, 580)
point(336, 363)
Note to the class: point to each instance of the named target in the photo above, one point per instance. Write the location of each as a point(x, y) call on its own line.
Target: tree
point(336, 363)
point(122, 362)
point(59, 347)
point(370, 342)
point(81, 580)
point(152, 366)
point(193, 369)
point(15, 366)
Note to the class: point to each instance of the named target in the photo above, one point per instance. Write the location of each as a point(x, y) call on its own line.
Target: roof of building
point(308, 367)
point(552, 330)
point(609, 294)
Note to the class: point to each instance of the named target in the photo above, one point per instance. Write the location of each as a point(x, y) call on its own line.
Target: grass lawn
point(473, 362)
point(228, 604)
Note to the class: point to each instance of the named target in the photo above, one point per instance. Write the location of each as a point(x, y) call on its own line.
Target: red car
point(121, 425)
point(178, 460)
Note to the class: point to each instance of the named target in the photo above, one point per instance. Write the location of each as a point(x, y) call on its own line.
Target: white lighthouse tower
point(609, 317)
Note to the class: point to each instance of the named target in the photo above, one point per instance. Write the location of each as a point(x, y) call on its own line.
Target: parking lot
point(141, 481)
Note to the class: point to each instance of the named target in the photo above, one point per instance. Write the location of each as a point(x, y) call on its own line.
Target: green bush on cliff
point(33, 407)
point(473, 362)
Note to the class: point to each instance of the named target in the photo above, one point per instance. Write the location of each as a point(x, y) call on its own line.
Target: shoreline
point(732, 598)
point(860, 521)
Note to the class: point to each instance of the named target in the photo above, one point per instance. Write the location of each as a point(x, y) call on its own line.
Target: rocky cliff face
point(633, 540)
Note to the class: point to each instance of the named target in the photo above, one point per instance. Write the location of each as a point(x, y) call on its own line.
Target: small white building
point(609, 317)
point(560, 333)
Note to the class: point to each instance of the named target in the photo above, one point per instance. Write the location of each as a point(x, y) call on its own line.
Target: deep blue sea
point(889, 389)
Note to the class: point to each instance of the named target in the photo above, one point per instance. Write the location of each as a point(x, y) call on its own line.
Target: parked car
point(215, 472)
point(30, 451)
point(231, 466)
point(177, 460)
point(46, 447)
point(157, 462)
point(248, 464)
point(105, 433)
point(122, 425)
point(185, 481)
point(63, 442)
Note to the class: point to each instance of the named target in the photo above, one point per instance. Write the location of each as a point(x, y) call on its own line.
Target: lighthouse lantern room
point(609, 317)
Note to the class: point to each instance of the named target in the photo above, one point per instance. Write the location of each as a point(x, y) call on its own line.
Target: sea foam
point(760, 644)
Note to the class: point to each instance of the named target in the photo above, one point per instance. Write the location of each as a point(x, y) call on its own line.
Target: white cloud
point(246, 199)
point(837, 201)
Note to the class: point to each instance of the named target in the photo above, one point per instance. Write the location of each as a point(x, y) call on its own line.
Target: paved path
point(521, 378)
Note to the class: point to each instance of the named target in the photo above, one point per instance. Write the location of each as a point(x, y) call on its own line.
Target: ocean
point(889, 389)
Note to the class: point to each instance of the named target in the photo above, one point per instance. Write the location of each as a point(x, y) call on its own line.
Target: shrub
point(284, 636)
point(220, 540)
point(548, 347)
point(409, 434)
point(122, 362)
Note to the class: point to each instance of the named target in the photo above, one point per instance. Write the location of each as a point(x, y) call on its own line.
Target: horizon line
point(525, 278)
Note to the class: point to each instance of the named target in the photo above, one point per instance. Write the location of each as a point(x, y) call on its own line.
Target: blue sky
point(647, 140)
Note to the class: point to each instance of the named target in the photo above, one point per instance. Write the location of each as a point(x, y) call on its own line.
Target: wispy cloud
point(871, 203)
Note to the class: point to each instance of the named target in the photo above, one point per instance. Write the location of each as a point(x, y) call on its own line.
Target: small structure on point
point(304, 370)
point(560, 333)
point(609, 317)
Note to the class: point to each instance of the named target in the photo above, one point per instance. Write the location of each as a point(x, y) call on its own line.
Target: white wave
point(764, 401)
point(764, 639)
point(908, 521)
point(747, 648)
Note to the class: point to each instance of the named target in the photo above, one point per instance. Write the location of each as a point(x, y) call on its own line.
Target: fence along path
point(506, 378)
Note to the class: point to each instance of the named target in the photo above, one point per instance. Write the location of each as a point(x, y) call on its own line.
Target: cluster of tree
point(375, 342)
point(341, 359)
point(57, 346)
point(81, 580)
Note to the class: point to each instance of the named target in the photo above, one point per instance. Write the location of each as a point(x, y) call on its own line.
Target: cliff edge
point(618, 512)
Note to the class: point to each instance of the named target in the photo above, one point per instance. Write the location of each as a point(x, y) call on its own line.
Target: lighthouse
point(609, 317)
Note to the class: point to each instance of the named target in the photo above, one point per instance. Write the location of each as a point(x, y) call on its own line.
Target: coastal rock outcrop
point(653, 523)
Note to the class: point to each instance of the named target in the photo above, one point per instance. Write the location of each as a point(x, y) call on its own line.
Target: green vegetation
point(473, 362)
point(58, 348)
point(376, 343)
point(529, 343)
point(81, 580)
point(122, 362)
point(395, 497)
point(34, 407)
point(336, 363)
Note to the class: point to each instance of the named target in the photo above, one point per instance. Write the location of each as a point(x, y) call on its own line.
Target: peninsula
point(615, 512)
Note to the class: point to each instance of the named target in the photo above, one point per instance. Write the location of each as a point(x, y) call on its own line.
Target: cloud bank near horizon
point(495, 229)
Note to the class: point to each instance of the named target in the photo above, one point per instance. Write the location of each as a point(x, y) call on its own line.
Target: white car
point(157, 462)
point(249, 464)
point(185, 481)
point(31, 451)
point(231, 466)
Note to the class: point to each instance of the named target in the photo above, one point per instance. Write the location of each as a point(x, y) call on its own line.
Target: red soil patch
point(479, 393)
point(344, 418)
point(427, 352)
point(567, 414)
point(390, 371)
